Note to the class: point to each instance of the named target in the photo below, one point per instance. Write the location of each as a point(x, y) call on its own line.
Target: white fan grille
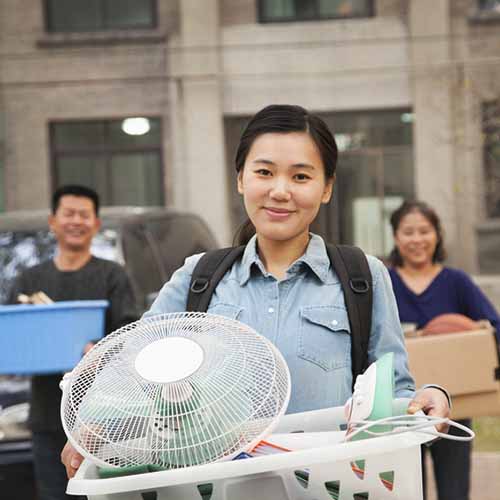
point(117, 418)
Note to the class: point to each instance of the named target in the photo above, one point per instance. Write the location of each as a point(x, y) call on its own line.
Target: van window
point(22, 249)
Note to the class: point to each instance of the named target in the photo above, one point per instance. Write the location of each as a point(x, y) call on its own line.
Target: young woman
point(284, 286)
point(424, 289)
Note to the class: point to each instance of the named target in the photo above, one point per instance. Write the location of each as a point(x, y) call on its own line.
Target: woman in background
point(424, 289)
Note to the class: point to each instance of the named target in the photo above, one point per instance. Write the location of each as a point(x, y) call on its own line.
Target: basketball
point(449, 323)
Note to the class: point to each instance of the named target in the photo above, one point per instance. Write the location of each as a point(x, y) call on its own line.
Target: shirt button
point(270, 310)
point(335, 322)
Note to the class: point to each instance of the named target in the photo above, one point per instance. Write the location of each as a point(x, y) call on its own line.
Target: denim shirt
point(305, 316)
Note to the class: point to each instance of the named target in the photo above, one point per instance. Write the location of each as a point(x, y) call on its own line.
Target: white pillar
point(197, 118)
point(432, 78)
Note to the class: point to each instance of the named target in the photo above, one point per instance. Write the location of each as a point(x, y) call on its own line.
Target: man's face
point(75, 223)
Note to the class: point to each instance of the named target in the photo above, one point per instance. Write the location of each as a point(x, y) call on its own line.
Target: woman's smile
point(278, 213)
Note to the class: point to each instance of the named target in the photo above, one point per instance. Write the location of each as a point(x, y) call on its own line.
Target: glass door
point(371, 183)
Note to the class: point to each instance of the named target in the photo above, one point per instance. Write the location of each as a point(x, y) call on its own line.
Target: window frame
point(261, 19)
point(102, 8)
point(489, 131)
point(106, 152)
point(481, 14)
point(482, 5)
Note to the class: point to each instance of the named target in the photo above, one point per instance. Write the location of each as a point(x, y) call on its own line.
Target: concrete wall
point(231, 65)
point(478, 76)
point(212, 59)
point(337, 65)
point(46, 78)
point(454, 71)
point(490, 285)
point(432, 80)
point(234, 12)
point(197, 117)
point(427, 55)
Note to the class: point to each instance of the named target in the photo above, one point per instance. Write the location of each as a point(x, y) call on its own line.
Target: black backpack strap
point(352, 268)
point(207, 273)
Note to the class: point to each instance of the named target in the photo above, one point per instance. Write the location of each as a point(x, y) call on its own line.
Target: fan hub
point(169, 360)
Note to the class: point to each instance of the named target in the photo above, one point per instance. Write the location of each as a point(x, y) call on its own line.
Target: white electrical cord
point(409, 423)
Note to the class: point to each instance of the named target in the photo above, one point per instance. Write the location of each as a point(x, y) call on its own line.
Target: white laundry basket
point(321, 467)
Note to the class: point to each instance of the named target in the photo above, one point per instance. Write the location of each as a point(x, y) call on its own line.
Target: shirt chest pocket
point(324, 337)
point(227, 310)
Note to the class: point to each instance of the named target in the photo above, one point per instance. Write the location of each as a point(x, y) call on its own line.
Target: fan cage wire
point(142, 444)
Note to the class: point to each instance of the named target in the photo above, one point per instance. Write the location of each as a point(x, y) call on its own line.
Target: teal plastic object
point(384, 388)
point(179, 434)
point(42, 339)
point(383, 403)
point(195, 433)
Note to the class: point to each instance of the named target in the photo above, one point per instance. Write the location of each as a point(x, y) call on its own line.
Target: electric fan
point(173, 391)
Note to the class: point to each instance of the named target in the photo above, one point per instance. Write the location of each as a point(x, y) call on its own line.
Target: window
point(491, 151)
point(2, 201)
point(2, 149)
point(374, 175)
point(492, 6)
point(271, 11)
point(120, 159)
point(66, 16)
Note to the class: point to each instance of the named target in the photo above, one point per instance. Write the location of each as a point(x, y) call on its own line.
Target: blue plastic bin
point(38, 339)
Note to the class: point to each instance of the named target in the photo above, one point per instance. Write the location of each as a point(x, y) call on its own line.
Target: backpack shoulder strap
point(207, 273)
point(352, 268)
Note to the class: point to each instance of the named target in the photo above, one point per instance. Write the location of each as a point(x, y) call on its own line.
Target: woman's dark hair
point(430, 214)
point(282, 119)
point(75, 190)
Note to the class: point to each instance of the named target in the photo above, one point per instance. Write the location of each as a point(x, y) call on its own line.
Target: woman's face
point(283, 185)
point(416, 239)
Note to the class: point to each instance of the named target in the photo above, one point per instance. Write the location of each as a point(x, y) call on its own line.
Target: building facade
point(409, 87)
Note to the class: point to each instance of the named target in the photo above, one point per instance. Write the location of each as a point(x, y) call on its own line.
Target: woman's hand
point(88, 347)
point(71, 459)
point(432, 401)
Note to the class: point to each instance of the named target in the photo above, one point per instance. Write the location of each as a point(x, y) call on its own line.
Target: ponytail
point(244, 233)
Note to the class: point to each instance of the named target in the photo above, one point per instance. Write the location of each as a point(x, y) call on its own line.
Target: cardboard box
point(464, 363)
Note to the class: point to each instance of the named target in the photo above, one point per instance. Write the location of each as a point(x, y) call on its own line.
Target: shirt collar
point(315, 257)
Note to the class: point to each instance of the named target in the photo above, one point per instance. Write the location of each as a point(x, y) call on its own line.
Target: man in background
point(74, 274)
